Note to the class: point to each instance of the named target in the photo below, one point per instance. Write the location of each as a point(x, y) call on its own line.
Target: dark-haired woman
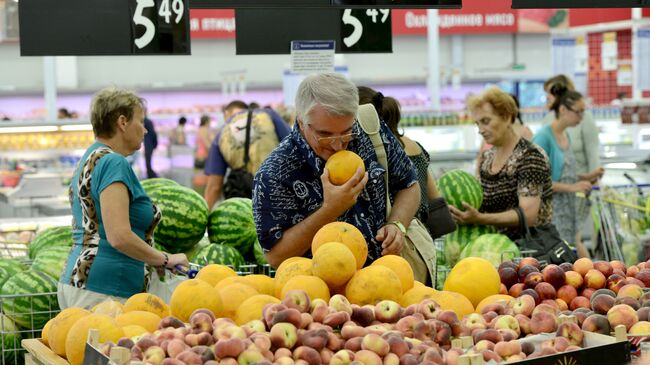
point(568, 108)
point(388, 109)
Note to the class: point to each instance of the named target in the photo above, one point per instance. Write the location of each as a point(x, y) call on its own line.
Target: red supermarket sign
point(212, 23)
point(414, 22)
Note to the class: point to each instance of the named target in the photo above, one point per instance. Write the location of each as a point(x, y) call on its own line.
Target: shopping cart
point(621, 222)
point(42, 306)
point(242, 270)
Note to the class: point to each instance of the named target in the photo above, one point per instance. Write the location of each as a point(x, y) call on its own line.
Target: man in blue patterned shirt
point(293, 196)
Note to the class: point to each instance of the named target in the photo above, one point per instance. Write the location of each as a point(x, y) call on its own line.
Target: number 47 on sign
point(357, 24)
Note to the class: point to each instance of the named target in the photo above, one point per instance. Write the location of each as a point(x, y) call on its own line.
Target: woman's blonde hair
point(107, 106)
point(502, 103)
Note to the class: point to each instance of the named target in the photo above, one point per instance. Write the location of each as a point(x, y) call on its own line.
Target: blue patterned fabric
point(287, 187)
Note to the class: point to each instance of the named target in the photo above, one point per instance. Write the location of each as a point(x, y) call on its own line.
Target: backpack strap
point(369, 122)
point(248, 137)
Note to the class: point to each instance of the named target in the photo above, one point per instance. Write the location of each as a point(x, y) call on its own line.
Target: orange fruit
point(342, 165)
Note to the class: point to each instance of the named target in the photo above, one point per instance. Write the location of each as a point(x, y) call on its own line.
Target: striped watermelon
point(11, 266)
point(457, 240)
point(184, 217)
point(459, 186)
point(29, 302)
point(51, 261)
point(53, 236)
point(260, 259)
point(215, 253)
point(231, 223)
point(150, 185)
point(493, 247)
point(12, 352)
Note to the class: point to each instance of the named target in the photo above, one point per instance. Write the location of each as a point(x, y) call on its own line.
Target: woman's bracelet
point(166, 259)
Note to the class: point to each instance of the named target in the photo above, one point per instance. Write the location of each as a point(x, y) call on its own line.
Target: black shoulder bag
point(543, 242)
point(239, 182)
point(439, 220)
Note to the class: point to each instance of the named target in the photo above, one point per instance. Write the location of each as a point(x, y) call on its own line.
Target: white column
point(433, 38)
point(456, 60)
point(49, 85)
point(637, 14)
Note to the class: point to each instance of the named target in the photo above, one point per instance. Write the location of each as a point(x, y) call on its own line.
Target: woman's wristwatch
point(166, 259)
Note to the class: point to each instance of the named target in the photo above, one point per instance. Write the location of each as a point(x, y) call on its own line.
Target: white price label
point(166, 9)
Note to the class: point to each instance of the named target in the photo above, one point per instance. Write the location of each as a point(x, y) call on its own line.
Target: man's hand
point(469, 216)
point(582, 187)
point(340, 198)
point(391, 238)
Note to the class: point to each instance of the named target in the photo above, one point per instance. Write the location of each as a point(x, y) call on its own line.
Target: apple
point(602, 303)
point(543, 322)
point(567, 293)
point(387, 311)
point(297, 299)
point(622, 314)
point(630, 290)
point(572, 332)
point(566, 266)
point(546, 290)
point(604, 267)
point(516, 289)
point(522, 305)
point(509, 276)
point(507, 322)
point(583, 265)
point(528, 261)
point(532, 279)
point(554, 275)
point(284, 334)
point(595, 279)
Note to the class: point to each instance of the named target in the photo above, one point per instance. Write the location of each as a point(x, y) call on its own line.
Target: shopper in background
point(388, 109)
point(113, 218)
point(585, 145)
point(227, 150)
point(204, 138)
point(293, 196)
point(177, 136)
point(150, 144)
point(568, 107)
point(513, 173)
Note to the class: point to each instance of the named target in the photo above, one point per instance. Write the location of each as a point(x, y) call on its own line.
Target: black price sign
point(366, 31)
point(160, 26)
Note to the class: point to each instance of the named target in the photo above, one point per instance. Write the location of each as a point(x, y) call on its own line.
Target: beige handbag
point(418, 249)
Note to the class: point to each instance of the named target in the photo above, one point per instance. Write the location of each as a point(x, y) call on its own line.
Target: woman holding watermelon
point(113, 218)
point(513, 173)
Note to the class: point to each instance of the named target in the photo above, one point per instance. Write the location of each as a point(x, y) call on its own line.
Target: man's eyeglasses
point(579, 112)
point(330, 141)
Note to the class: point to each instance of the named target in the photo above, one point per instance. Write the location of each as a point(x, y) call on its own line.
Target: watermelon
point(30, 299)
point(184, 218)
point(231, 223)
point(150, 185)
point(11, 266)
point(493, 247)
point(260, 259)
point(12, 352)
point(458, 186)
point(52, 261)
point(53, 236)
point(215, 253)
point(455, 242)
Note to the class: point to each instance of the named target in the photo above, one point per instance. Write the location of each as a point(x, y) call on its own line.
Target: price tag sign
point(160, 26)
point(366, 31)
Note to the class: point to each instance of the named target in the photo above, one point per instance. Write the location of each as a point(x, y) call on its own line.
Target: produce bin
point(38, 306)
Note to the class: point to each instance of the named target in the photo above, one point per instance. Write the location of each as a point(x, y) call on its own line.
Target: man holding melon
point(327, 170)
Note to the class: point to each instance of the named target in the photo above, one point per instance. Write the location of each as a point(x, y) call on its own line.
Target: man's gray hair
point(332, 91)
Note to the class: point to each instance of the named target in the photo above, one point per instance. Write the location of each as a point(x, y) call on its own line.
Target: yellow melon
point(401, 267)
point(453, 301)
point(313, 285)
point(373, 284)
point(133, 330)
point(111, 308)
point(264, 284)
point(232, 280)
point(144, 319)
point(75, 342)
point(345, 233)
point(475, 278)
point(290, 268)
point(334, 263)
point(46, 331)
point(147, 302)
point(493, 299)
point(416, 295)
point(214, 273)
point(60, 327)
point(342, 165)
point(232, 296)
point(252, 307)
point(194, 294)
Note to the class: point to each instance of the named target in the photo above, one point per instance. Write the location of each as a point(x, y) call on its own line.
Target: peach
point(154, 355)
point(387, 311)
point(574, 279)
point(297, 299)
point(533, 294)
point(632, 271)
point(532, 279)
point(508, 276)
point(316, 339)
point(524, 323)
point(566, 266)
point(546, 290)
point(567, 293)
point(363, 316)
point(618, 265)
point(340, 304)
point(176, 346)
point(630, 290)
point(572, 332)
point(524, 304)
point(636, 281)
point(290, 315)
point(375, 343)
point(640, 328)
point(342, 357)
point(622, 314)
point(368, 357)
point(353, 344)
point(602, 303)
point(310, 355)
point(428, 308)
point(268, 312)
point(554, 275)
point(531, 261)
point(604, 267)
point(628, 301)
point(579, 302)
point(588, 292)
point(516, 289)
point(507, 322)
point(190, 358)
point(615, 282)
point(336, 319)
point(545, 308)
point(475, 320)
point(595, 279)
point(172, 322)
point(507, 349)
point(498, 308)
point(543, 322)
point(561, 304)
point(284, 334)
point(643, 313)
point(583, 265)
point(398, 346)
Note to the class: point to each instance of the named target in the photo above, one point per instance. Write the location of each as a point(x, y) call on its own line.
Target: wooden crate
point(39, 354)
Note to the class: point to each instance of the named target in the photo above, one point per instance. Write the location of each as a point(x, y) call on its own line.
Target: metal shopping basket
point(41, 307)
point(620, 222)
point(13, 250)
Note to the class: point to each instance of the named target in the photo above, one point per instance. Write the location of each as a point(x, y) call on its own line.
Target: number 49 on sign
point(151, 14)
point(366, 30)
